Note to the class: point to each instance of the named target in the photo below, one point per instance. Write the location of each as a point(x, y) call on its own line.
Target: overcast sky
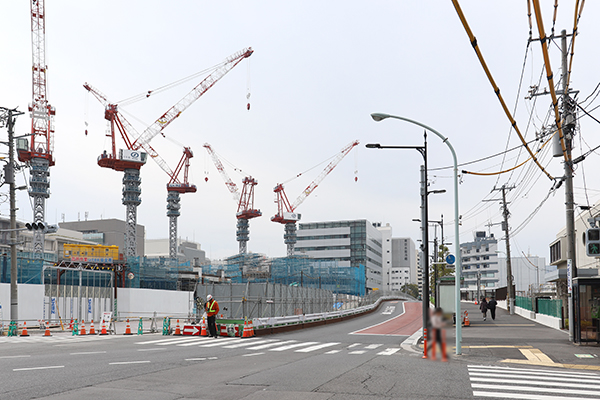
point(319, 69)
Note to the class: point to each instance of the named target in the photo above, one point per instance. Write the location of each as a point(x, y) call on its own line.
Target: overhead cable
point(494, 86)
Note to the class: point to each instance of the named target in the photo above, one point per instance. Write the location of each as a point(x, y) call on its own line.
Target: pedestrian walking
point(212, 309)
point(438, 324)
point(492, 307)
point(483, 306)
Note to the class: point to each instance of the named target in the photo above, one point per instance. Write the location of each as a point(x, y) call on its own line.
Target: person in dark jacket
point(483, 306)
point(492, 307)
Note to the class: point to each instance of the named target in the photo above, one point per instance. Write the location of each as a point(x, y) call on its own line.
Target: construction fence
point(539, 305)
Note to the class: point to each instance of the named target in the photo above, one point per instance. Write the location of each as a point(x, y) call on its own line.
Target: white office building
point(350, 243)
point(480, 264)
point(404, 263)
point(386, 254)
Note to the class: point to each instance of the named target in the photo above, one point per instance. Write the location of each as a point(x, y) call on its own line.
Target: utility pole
point(567, 124)
point(509, 277)
point(9, 177)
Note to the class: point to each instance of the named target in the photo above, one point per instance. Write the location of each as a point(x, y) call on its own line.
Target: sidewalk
point(516, 340)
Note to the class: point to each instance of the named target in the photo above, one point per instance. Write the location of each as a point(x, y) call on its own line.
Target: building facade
point(350, 243)
point(108, 232)
point(386, 254)
point(480, 266)
point(186, 251)
point(529, 274)
point(404, 263)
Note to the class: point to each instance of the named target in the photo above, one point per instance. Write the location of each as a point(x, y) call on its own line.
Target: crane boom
point(231, 186)
point(169, 116)
point(313, 185)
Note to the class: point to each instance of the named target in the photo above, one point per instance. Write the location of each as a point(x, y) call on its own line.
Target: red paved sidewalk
point(404, 324)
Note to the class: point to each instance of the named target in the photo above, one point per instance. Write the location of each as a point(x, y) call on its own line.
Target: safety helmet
point(209, 297)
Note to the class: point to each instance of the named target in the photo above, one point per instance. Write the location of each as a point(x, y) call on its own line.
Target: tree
point(439, 264)
point(411, 289)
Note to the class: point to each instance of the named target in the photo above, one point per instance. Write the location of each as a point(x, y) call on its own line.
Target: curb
point(412, 341)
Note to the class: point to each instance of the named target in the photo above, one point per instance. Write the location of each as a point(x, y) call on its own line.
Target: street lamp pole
point(458, 268)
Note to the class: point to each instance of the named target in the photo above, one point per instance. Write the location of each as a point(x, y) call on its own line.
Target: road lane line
point(316, 347)
point(128, 362)
point(36, 368)
point(88, 352)
point(15, 356)
point(354, 345)
point(213, 358)
point(196, 359)
point(152, 349)
point(358, 352)
point(292, 346)
point(264, 346)
point(388, 352)
point(381, 323)
point(373, 346)
point(253, 354)
point(333, 351)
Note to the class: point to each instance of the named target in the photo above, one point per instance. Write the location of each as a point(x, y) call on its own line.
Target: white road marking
point(198, 340)
point(373, 346)
point(151, 349)
point(535, 382)
point(36, 368)
point(389, 310)
point(178, 340)
point(220, 342)
point(247, 343)
point(291, 346)
point(128, 362)
point(195, 359)
point(354, 345)
point(316, 347)
point(388, 352)
point(155, 341)
point(541, 378)
point(333, 352)
point(522, 396)
point(507, 370)
point(253, 354)
point(212, 358)
point(358, 352)
point(24, 356)
point(381, 323)
point(533, 389)
point(265, 346)
point(88, 352)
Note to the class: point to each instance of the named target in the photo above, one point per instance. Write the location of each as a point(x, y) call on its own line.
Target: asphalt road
point(336, 361)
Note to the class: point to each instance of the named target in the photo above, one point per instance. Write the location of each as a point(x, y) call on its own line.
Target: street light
point(379, 117)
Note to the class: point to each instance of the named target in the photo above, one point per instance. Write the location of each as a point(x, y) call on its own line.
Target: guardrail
point(279, 322)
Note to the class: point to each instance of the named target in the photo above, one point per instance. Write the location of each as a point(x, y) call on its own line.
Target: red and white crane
point(286, 211)
point(245, 200)
point(131, 159)
point(175, 188)
point(37, 153)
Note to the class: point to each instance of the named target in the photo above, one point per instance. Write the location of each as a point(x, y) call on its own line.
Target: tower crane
point(175, 187)
point(245, 201)
point(38, 153)
point(286, 211)
point(131, 159)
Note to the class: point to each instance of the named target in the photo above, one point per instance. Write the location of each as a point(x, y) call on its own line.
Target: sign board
point(570, 275)
point(100, 260)
point(106, 317)
point(291, 216)
point(450, 259)
point(191, 330)
point(132, 155)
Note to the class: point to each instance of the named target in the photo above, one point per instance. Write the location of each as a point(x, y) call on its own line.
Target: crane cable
point(550, 76)
point(495, 87)
point(576, 17)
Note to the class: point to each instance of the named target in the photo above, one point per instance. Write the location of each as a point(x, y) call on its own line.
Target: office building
point(480, 266)
point(351, 243)
point(404, 263)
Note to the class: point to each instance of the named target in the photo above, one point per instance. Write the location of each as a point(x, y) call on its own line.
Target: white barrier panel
point(144, 302)
point(31, 301)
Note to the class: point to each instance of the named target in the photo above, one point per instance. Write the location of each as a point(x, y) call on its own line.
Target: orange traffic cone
point(47, 332)
point(203, 331)
point(128, 328)
point(82, 329)
point(251, 328)
point(92, 329)
point(245, 333)
point(24, 332)
point(467, 322)
point(103, 332)
point(177, 329)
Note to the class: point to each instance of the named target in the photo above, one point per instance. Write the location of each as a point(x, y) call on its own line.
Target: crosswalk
point(264, 345)
point(57, 339)
point(534, 384)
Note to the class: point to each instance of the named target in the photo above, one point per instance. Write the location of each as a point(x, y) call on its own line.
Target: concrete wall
point(31, 302)
point(546, 320)
point(132, 302)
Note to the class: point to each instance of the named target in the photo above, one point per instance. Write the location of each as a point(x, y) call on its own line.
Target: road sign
point(570, 276)
point(191, 330)
point(450, 259)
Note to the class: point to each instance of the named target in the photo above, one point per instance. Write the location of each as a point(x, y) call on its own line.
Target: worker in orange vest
point(212, 309)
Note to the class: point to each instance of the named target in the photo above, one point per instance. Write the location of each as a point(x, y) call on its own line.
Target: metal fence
point(524, 302)
point(550, 307)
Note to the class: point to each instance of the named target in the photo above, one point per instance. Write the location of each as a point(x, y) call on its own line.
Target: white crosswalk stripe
point(538, 384)
point(316, 347)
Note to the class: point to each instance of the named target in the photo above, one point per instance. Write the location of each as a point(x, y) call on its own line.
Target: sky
point(318, 70)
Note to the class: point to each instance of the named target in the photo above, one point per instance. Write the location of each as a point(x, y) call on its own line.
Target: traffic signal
point(592, 242)
point(41, 226)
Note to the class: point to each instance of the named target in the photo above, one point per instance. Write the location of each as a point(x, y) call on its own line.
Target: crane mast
point(245, 201)
point(286, 211)
point(131, 160)
point(175, 188)
point(38, 152)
